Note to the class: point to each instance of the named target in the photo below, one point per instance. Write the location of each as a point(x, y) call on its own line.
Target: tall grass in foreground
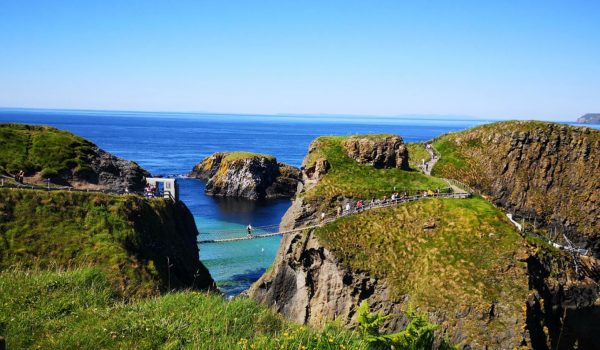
point(78, 310)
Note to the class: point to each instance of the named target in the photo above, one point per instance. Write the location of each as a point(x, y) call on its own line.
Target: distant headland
point(590, 118)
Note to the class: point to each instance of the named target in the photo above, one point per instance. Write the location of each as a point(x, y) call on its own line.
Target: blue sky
point(489, 59)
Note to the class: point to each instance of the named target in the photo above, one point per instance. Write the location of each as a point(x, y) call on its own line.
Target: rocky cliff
point(145, 246)
point(385, 151)
point(542, 171)
point(47, 153)
point(247, 175)
point(458, 261)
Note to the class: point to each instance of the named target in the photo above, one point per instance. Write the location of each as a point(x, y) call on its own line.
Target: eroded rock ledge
point(380, 151)
point(247, 175)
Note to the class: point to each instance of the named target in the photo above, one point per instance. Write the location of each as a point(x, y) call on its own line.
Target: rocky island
point(590, 118)
point(247, 175)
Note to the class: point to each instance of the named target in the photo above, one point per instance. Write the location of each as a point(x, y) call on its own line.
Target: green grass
point(77, 309)
point(41, 149)
point(119, 234)
point(348, 178)
point(417, 153)
point(233, 156)
point(464, 256)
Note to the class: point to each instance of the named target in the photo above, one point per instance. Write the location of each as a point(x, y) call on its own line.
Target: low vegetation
point(351, 179)
point(41, 149)
point(459, 246)
point(232, 156)
point(418, 154)
point(41, 229)
point(77, 309)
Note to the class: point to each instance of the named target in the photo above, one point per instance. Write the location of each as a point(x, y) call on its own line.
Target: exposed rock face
point(543, 170)
point(308, 285)
point(248, 176)
point(109, 172)
point(380, 152)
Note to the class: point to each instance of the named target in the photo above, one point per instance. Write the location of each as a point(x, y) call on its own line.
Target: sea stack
point(247, 175)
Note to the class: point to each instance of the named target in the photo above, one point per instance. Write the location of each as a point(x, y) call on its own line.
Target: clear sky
point(490, 59)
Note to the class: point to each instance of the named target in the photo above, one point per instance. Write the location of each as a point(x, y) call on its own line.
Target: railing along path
point(315, 223)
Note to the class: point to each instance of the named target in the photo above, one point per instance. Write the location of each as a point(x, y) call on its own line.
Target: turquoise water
point(170, 144)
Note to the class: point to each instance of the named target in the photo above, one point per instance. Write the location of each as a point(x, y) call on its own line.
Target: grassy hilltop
point(41, 149)
point(348, 178)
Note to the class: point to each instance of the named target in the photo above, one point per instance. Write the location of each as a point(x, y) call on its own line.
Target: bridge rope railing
point(311, 223)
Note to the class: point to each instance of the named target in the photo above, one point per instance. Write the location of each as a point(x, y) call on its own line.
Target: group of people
point(151, 191)
point(361, 205)
point(20, 176)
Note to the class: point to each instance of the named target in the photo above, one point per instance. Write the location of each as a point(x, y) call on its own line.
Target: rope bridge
point(324, 220)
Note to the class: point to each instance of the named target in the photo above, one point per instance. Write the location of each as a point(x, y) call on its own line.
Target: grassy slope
point(467, 261)
point(471, 242)
point(351, 179)
point(417, 152)
point(60, 229)
point(41, 148)
point(77, 309)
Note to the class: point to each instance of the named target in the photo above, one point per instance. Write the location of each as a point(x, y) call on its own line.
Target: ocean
point(170, 144)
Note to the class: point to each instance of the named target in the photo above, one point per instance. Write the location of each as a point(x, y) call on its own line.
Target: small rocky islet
point(459, 262)
point(247, 175)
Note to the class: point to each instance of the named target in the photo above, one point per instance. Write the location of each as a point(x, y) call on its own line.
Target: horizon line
point(282, 114)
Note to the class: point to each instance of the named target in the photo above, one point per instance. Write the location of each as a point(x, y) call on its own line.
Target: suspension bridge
point(313, 223)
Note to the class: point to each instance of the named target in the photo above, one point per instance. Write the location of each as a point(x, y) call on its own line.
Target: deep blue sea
point(170, 144)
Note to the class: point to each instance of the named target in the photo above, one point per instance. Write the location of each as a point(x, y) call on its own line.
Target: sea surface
point(170, 144)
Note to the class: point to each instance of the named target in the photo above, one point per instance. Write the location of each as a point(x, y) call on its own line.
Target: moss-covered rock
point(247, 175)
point(145, 246)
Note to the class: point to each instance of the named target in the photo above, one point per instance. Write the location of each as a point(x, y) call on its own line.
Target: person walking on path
point(249, 228)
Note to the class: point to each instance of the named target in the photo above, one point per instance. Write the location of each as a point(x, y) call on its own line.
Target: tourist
point(359, 206)
point(322, 216)
point(21, 176)
point(249, 228)
point(347, 207)
point(339, 210)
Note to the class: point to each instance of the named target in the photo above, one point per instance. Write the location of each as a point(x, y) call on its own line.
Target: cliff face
point(247, 175)
point(145, 246)
point(380, 152)
point(47, 153)
point(542, 170)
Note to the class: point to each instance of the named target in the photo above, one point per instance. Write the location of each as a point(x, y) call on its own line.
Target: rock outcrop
point(380, 151)
point(538, 170)
point(106, 171)
point(247, 175)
